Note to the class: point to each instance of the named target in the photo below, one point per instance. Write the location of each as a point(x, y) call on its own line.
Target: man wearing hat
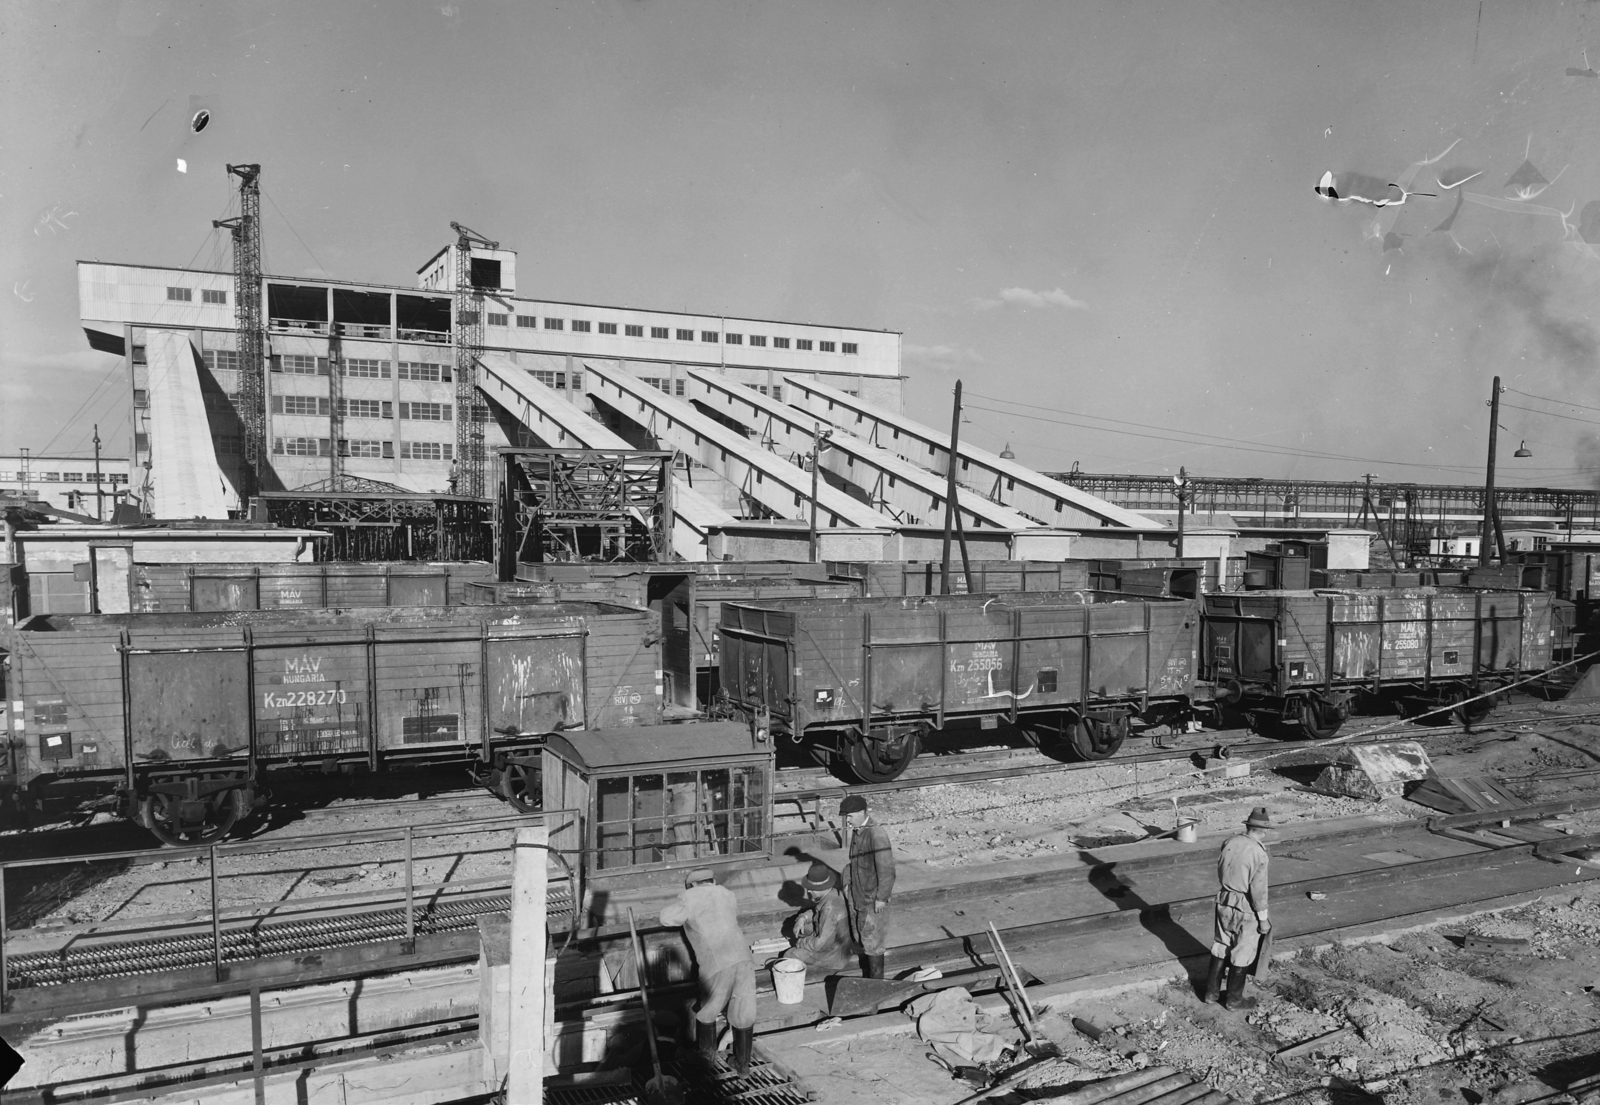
point(869, 880)
point(709, 915)
point(822, 932)
point(1241, 916)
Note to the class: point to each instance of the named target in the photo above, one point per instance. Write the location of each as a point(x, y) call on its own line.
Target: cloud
point(1032, 300)
point(940, 358)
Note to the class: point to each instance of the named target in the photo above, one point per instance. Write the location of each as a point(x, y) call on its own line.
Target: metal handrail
point(406, 833)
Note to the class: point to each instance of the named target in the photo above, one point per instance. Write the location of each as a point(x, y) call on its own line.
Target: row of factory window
point(186, 295)
point(60, 477)
point(317, 406)
point(582, 326)
point(368, 368)
point(348, 447)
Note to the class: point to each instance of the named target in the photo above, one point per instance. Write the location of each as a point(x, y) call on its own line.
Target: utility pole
point(99, 496)
point(819, 442)
point(1182, 482)
point(1489, 519)
point(952, 515)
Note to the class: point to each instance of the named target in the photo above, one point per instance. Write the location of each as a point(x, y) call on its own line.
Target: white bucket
point(789, 980)
point(1187, 833)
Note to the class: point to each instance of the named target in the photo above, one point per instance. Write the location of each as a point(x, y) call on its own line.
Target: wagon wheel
point(1094, 739)
point(520, 785)
point(181, 822)
point(880, 761)
point(1319, 719)
point(1472, 713)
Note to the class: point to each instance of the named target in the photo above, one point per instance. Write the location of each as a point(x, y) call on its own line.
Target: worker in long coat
point(822, 931)
point(1241, 920)
point(869, 882)
point(709, 915)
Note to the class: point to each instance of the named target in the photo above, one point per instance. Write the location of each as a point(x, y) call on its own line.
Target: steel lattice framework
point(585, 504)
point(252, 402)
point(369, 520)
point(1403, 512)
point(470, 410)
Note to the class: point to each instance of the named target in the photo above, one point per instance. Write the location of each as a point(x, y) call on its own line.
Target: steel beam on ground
point(1047, 501)
point(913, 495)
point(763, 477)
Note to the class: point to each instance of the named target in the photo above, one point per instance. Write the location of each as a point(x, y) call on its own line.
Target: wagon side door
point(188, 705)
point(535, 684)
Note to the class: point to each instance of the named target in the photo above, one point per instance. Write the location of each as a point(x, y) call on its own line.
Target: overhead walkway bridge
point(908, 494)
point(1039, 497)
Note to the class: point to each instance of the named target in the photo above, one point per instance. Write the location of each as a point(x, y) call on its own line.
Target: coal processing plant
point(1133, 682)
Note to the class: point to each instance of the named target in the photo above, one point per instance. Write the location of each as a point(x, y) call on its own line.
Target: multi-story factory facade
point(360, 377)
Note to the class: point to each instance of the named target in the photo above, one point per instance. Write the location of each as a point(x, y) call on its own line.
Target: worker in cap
point(1241, 910)
point(709, 915)
point(822, 930)
point(869, 880)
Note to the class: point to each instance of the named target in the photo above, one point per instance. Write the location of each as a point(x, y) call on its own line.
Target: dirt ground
point(1429, 1021)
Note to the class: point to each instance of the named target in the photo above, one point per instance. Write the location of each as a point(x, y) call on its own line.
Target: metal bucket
point(789, 980)
point(1187, 833)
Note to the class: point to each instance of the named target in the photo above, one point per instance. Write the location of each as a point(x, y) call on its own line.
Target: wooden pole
point(525, 1080)
point(950, 490)
point(1486, 541)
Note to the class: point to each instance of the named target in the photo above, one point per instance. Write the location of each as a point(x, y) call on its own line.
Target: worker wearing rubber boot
point(1241, 912)
point(869, 882)
point(822, 931)
point(709, 915)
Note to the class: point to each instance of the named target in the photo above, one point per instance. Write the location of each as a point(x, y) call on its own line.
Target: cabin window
point(666, 817)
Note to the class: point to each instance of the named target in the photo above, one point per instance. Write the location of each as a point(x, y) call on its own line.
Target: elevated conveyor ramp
point(1039, 497)
point(912, 495)
point(185, 480)
point(776, 484)
point(562, 424)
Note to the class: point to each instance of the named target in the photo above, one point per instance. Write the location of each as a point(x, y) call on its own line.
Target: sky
point(1099, 217)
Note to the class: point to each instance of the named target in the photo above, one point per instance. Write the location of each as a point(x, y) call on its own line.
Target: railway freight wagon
point(1304, 657)
point(179, 588)
point(863, 680)
point(895, 578)
point(180, 715)
point(685, 599)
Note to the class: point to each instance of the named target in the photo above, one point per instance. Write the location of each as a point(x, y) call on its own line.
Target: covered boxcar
point(863, 680)
point(183, 713)
point(1302, 657)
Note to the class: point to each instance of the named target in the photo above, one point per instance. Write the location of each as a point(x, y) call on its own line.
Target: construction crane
point(470, 409)
point(252, 405)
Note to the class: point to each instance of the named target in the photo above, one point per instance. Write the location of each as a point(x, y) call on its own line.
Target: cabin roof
point(644, 746)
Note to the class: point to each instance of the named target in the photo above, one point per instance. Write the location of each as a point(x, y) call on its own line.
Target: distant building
point(67, 482)
point(360, 377)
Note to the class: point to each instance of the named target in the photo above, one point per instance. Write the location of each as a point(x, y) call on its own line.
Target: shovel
point(663, 1089)
point(1039, 1049)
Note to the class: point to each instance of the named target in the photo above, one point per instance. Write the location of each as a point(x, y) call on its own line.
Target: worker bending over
point(1241, 915)
point(709, 915)
point(870, 881)
point(822, 931)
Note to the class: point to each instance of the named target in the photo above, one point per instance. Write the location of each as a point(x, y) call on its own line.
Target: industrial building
point(378, 407)
point(84, 485)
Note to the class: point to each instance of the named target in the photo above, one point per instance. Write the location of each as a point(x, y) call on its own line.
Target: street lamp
point(819, 444)
point(1491, 515)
